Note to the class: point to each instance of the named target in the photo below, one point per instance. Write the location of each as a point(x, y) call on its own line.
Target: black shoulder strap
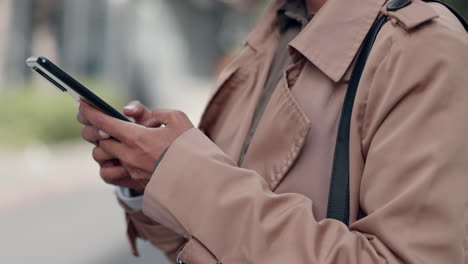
point(338, 200)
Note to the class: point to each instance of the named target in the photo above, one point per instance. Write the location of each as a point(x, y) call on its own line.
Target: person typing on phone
point(251, 183)
point(130, 189)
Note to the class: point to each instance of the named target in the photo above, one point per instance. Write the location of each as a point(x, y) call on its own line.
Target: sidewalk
point(84, 227)
point(39, 173)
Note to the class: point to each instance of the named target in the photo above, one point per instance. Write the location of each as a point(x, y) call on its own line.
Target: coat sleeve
point(143, 227)
point(413, 190)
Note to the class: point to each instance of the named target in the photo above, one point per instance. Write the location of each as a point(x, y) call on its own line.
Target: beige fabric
point(195, 252)
point(407, 20)
point(292, 18)
point(408, 148)
point(141, 226)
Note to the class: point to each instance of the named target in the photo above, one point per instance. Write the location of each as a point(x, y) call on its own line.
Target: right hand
point(111, 170)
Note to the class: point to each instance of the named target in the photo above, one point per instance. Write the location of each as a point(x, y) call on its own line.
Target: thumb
point(137, 111)
point(169, 117)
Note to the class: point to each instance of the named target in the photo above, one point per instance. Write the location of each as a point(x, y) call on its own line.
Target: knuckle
point(139, 107)
point(105, 176)
point(172, 115)
point(85, 133)
point(81, 119)
point(178, 113)
point(135, 103)
point(107, 179)
point(126, 158)
point(103, 145)
point(132, 161)
point(138, 137)
point(89, 133)
point(106, 146)
point(97, 154)
point(98, 121)
point(138, 104)
point(131, 137)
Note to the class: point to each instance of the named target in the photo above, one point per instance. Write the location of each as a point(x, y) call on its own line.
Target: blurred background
point(165, 53)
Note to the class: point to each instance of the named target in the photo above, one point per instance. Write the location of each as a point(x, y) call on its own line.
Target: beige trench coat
point(409, 149)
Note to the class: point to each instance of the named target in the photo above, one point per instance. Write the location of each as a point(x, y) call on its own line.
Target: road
point(55, 209)
point(80, 227)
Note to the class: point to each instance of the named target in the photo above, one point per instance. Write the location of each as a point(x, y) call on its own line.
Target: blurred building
point(146, 49)
point(4, 26)
point(134, 45)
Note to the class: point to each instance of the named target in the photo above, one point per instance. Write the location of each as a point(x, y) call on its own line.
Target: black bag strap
point(338, 199)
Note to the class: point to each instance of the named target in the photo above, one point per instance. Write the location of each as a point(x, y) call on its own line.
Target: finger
point(90, 134)
point(116, 128)
point(153, 123)
point(115, 149)
point(119, 176)
point(102, 157)
point(114, 174)
point(80, 117)
point(137, 111)
point(103, 135)
point(111, 163)
point(168, 117)
point(161, 116)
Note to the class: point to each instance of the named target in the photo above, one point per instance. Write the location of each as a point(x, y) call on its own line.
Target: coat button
point(398, 4)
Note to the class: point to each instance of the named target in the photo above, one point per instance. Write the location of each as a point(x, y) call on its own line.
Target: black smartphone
point(67, 84)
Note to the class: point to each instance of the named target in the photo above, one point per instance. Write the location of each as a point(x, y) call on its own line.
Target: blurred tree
point(103, 37)
point(19, 41)
point(210, 29)
point(5, 8)
point(461, 5)
point(200, 22)
point(82, 38)
point(45, 28)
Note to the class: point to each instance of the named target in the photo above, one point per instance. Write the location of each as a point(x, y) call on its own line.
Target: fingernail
point(130, 107)
point(78, 104)
point(103, 135)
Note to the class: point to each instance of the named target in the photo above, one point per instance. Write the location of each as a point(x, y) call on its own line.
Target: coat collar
point(332, 39)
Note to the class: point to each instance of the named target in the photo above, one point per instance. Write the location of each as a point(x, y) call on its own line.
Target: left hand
point(137, 147)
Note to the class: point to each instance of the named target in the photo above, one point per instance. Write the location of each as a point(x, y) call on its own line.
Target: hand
point(137, 147)
point(111, 169)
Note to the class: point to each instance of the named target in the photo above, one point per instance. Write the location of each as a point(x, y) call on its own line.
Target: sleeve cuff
point(174, 190)
point(160, 159)
point(134, 203)
point(168, 181)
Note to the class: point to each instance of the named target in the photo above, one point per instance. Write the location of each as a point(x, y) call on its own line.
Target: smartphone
point(67, 84)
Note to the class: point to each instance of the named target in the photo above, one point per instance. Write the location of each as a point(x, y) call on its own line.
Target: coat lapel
point(279, 137)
